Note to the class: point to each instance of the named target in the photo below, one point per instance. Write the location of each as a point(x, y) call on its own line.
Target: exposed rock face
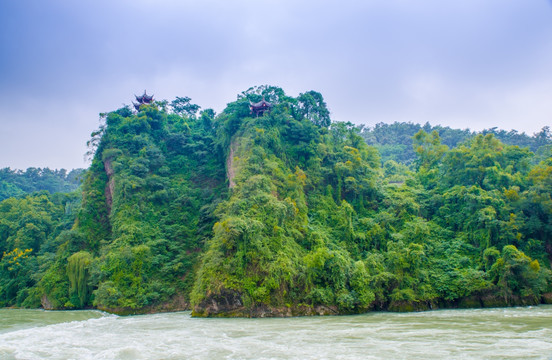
point(229, 304)
point(110, 186)
point(46, 304)
point(223, 304)
point(546, 298)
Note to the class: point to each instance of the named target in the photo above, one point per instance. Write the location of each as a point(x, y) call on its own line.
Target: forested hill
point(280, 213)
point(395, 141)
point(14, 183)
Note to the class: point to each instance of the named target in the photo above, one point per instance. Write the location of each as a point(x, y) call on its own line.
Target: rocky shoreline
point(228, 304)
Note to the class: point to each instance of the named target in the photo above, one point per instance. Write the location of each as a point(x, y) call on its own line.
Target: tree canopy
point(287, 213)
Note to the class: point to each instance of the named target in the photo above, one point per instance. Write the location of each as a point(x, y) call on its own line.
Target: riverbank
point(229, 305)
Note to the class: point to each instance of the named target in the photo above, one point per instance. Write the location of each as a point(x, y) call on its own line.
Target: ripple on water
point(452, 334)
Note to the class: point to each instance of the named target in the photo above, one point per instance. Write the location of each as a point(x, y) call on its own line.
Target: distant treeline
point(394, 141)
point(15, 183)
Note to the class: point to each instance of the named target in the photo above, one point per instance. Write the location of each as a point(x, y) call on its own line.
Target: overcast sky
point(461, 63)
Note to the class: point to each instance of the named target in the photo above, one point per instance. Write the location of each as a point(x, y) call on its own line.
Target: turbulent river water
point(509, 333)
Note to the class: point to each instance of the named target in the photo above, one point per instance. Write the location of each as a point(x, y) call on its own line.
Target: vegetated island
point(271, 209)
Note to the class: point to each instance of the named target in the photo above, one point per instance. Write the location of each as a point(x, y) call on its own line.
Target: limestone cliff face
point(228, 303)
point(110, 186)
point(46, 303)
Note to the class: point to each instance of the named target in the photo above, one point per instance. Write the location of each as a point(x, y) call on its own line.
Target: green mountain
point(271, 209)
point(15, 183)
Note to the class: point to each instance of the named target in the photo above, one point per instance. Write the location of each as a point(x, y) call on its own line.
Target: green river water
point(505, 333)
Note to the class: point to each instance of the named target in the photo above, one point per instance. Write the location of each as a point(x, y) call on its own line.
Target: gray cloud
point(462, 64)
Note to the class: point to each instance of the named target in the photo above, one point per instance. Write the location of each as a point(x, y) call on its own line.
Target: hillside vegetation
point(282, 214)
point(17, 183)
point(395, 141)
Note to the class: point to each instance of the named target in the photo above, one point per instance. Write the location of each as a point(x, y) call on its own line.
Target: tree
point(183, 106)
point(517, 274)
point(78, 274)
point(430, 151)
point(311, 105)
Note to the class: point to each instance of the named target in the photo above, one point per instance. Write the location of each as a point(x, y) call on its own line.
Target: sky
point(472, 64)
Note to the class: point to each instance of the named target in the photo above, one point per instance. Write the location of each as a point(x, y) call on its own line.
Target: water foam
point(452, 334)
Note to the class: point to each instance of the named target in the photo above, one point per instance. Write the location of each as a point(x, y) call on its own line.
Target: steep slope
point(285, 243)
point(280, 214)
point(313, 227)
point(147, 204)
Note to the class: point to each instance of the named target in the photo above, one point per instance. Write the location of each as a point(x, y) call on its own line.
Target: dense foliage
point(234, 213)
point(315, 220)
point(395, 141)
point(147, 207)
point(31, 232)
point(15, 183)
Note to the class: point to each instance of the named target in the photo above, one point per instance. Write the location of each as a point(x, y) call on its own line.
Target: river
point(506, 333)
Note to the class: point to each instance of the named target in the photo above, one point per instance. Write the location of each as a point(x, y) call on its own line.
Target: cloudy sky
point(461, 63)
